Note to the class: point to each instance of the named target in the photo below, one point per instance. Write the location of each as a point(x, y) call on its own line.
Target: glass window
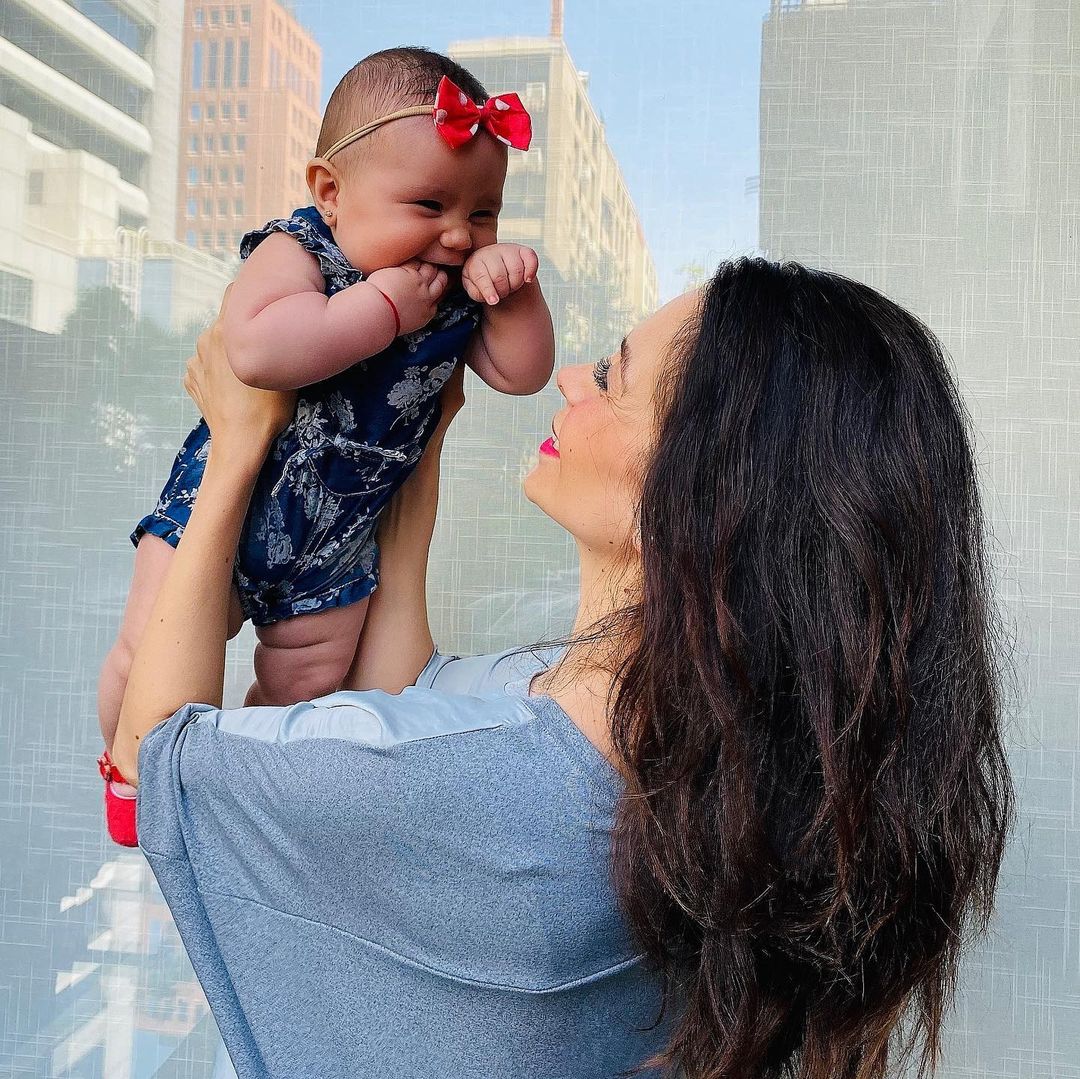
point(238, 174)
point(226, 144)
point(238, 207)
point(227, 64)
point(192, 207)
point(211, 110)
point(206, 239)
point(245, 16)
point(207, 207)
point(195, 112)
point(189, 237)
point(223, 206)
point(211, 65)
point(192, 175)
point(193, 144)
point(196, 65)
point(208, 143)
point(242, 74)
point(215, 16)
point(223, 175)
point(208, 174)
point(230, 16)
point(241, 110)
point(226, 111)
point(241, 143)
point(199, 17)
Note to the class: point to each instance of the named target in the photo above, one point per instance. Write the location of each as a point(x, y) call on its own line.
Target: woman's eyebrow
point(624, 364)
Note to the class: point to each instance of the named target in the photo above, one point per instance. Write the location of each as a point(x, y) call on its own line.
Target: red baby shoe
point(119, 808)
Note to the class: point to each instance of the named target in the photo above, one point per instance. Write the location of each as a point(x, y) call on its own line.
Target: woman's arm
point(181, 655)
point(396, 642)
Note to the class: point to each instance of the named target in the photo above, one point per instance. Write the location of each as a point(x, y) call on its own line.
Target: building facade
point(249, 120)
point(90, 97)
point(566, 197)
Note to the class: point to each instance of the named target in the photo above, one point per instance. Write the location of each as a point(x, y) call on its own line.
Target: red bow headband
point(457, 118)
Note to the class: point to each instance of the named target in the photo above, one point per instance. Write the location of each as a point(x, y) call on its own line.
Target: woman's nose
point(574, 381)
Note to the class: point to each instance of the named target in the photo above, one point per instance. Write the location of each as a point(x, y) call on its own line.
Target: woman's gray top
point(401, 886)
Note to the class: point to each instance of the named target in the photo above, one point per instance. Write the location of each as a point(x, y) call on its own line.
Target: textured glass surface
point(929, 147)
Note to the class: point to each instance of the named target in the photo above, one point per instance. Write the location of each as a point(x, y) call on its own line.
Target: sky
point(675, 82)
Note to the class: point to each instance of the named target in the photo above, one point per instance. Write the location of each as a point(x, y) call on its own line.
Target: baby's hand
point(492, 273)
point(415, 287)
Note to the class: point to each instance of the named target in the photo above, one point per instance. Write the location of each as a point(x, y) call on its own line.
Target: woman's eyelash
point(600, 373)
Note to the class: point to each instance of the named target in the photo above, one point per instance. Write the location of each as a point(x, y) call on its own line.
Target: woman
point(742, 823)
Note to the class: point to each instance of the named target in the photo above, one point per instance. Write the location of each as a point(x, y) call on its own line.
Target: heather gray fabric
point(402, 886)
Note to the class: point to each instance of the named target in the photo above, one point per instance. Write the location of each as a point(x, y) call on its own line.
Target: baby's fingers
point(483, 280)
point(531, 261)
point(437, 285)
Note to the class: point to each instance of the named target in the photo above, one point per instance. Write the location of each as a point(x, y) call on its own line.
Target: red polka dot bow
point(458, 117)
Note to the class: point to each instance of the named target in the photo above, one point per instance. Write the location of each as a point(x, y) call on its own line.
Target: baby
point(364, 303)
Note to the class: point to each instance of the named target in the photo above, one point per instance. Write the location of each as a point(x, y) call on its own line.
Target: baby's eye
point(429, 204)
point(484, 213)
point(600, 373)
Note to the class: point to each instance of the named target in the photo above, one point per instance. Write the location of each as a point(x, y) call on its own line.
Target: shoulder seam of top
point(559, 987)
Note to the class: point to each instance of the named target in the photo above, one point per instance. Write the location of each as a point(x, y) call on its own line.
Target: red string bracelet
point(393, 307)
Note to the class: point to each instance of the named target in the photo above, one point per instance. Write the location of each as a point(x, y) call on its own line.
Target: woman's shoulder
point(510, 670)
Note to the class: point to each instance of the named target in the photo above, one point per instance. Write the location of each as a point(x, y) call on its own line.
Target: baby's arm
point(514, 349)
point(282, 332)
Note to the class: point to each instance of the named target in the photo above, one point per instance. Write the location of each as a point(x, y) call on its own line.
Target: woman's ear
point(324, 183)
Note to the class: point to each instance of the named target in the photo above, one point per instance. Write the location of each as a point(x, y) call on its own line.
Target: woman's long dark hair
point(809, 720)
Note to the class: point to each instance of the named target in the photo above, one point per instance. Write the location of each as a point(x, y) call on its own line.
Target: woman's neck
point(580, 683)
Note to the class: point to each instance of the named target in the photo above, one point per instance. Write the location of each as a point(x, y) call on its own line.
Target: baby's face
point(410, 196)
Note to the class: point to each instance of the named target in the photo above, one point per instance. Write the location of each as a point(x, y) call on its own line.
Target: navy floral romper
point(309, 539)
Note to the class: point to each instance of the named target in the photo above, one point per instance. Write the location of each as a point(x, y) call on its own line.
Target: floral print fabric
point(309, 539)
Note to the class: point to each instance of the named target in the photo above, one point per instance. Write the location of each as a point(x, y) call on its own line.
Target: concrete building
point(249, 120)
point(566, 197)
point(88, 156)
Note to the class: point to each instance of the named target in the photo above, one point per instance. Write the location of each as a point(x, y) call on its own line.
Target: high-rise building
point(566, 197)
point(249, 119)
point(89, 98)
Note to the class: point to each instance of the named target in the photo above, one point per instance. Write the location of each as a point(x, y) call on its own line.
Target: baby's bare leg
point(306, 656)
point(152, 559)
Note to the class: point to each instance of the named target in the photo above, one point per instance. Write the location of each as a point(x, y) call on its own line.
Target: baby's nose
point(457, 238)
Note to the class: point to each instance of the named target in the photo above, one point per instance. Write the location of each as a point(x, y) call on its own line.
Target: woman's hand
point(238, 416)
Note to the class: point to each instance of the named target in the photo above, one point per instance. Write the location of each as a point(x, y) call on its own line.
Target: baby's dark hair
point(389, 80)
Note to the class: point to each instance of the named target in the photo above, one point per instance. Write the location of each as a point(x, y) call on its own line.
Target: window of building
point(35, 187)
point(215, 16)
point(208, 175)
point(206, 239)
point(226, 111)
point(16, 296)
point(238, 174)
point(223, 176)
point(192, 207)
point(193, 144)
point(227, 64)
point(243, 71)
point(195, 112)
point(535, 95)
point(275, 69)
point(241, 143)
point(222, 241)
point(238, 207)
point(207, 207)
point(211, 110)
point(230, 16)
point(192, 175)
point(199, 18)
point(245, 16)
point(241, 110)
point(226, 142)
point(208, 144)
point(211, 65)
point(189, 237)
point(196, 66)
point(223, 206)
